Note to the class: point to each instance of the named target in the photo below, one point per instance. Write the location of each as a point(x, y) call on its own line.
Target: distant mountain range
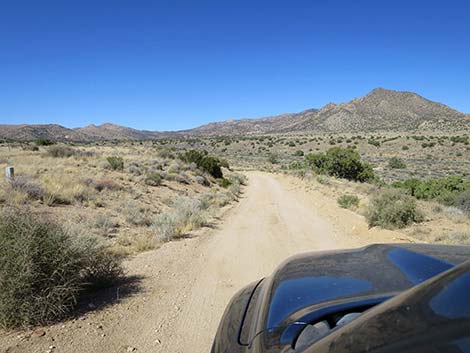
point(380, 110)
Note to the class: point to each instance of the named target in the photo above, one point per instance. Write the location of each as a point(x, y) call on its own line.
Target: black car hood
point(308, 286)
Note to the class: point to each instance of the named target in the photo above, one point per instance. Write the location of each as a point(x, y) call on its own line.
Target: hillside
point(116, 132)
point(383, 110)
point(380, 110)
point(27, 132)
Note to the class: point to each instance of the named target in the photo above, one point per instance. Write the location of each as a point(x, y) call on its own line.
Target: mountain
point(88, 133)
point(249, 126)
point(27, 132)
point(384, 110)
point(380, 110)
point(116, 132)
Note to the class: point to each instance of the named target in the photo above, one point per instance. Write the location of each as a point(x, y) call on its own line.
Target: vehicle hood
point(308, 286)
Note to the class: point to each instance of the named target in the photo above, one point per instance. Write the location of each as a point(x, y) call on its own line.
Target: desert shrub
point(135, 169)
point(193, 156)
point(428, 144)
point(34, 190)
point(322, 179)
point(116, 163)
point(456, 238)
point(348, 201)
point(106, 184)
point(182, 178)
point(296, 165)
point(340, 162)
point(44, 270)
point(166, 226)
point(135, 215)
point(184, 215)
point(373, 142)
point(299, 153)
point(396, 163)
point(224, 163)
point(153, 179)
point(211, 165)
point(165, 153)
point(273, 158)
point(200, 179)
point(65, 189)
point(44, 142)
point(238, 179)
point(223, 182)
point(61, 151)
point(460, 139)
point(462, 201)
point(30, 148)
point(392, 209)
point(405, 148)
point(442, 189)
point(235, 189)
point(175, 167)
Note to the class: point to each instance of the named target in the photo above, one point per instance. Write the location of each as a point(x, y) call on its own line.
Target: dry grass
point(78, 186)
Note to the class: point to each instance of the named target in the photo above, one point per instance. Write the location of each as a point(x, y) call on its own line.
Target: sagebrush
point(44, 269)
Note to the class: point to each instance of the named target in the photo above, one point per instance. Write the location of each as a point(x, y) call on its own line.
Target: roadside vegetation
point(393, 209)
point(350, 202)
point(45, 268)
point(71, 214)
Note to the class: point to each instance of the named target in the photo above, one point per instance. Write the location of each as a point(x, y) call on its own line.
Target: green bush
point(225, 183)
point(348, 201)
point(193, 156)
point(299, 153)
point(343, 163)
point(211, 165)
point(44, 142)
point(296, 165)
point(153, 179)
point(273, 158)
point(428, 144)
point(392, 209)
point(396, 163)
point(44, 270)
point(441, 189)
point(460, 139)
point(116, 163)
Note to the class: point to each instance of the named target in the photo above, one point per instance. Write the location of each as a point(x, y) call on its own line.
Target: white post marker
point(9, 173)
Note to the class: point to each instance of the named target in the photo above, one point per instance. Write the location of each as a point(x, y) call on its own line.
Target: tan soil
point(185, 285)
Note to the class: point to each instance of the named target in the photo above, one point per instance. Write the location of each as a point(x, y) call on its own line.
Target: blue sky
point(166, 65)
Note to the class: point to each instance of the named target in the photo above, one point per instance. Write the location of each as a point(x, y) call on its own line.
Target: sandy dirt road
point(185, 285)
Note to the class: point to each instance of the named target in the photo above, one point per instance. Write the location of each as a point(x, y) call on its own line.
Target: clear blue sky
point(166, 65)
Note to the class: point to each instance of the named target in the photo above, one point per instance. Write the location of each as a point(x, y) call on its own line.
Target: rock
point(38, 333)
point(131, 349)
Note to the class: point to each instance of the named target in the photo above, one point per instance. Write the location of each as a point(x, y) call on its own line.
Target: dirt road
point(185, 285)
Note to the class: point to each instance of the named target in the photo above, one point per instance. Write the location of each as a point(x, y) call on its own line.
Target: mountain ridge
point(379, 110)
